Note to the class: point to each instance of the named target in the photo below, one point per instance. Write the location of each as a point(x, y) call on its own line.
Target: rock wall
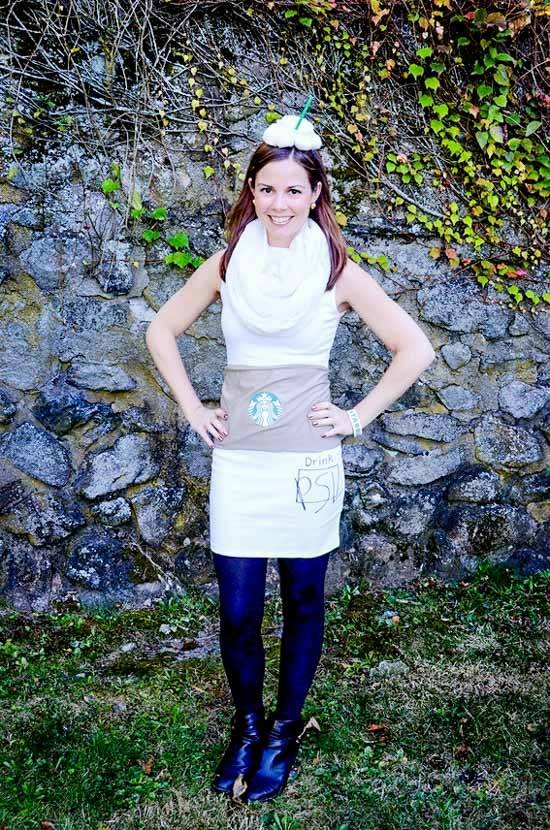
point(103, 485)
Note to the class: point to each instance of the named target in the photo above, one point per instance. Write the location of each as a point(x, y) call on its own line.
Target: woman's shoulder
point(345, 279)
point(211, 267)
point(353, 281)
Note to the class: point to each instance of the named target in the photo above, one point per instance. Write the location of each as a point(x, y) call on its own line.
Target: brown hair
point(243, 210)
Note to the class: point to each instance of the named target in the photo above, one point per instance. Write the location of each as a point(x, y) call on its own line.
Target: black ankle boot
point(243, 751)
point(278, 755)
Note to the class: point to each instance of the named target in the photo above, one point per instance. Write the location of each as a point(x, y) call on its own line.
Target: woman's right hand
point(209, 422)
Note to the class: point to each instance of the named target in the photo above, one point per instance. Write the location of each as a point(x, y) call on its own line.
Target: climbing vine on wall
point(437, 109)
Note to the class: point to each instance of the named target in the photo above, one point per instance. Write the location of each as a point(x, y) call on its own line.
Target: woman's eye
point(292, 190)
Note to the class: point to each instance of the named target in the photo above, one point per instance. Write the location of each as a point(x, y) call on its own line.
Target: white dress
point(276, 486)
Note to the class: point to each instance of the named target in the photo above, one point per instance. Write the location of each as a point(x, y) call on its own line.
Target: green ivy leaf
point(496, 133)
point(432, 83)
point(149, 235)
point(441, 110)
point(454, 147)
point(501, 76)
point(135, 201)
point(305, 21)
point(532, 127)
point(483, 91)
point(270, 117)
point(426, 100)
point(208, 171)
point(180, 258)
point(416, 70)
point(178, 240)
point(482, 138)
point(436, 125)
point(110, 185)
point(424, 52)
point(159, 213)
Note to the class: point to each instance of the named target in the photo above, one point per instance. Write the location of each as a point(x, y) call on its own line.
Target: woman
point(277, 481)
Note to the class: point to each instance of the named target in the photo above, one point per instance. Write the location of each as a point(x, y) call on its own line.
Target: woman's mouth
point(280, 220)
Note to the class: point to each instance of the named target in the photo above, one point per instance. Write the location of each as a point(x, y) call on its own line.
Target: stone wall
point(103, 485)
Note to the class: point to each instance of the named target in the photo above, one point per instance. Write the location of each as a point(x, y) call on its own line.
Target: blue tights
point(242, 594)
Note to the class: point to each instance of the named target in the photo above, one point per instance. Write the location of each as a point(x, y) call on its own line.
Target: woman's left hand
point(325, 413)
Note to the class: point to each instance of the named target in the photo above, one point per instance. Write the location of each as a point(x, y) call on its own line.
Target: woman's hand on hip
point(325, 413)
point(210, 422)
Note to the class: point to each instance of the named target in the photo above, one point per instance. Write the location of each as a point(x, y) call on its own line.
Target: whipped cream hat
point(293, 131)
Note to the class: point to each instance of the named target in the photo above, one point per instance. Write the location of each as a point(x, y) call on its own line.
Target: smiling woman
point(277, 479)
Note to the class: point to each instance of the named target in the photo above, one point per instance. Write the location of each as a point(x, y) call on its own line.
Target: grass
point(93, 736)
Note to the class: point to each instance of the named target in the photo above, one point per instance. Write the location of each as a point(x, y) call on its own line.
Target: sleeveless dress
point(276, 485)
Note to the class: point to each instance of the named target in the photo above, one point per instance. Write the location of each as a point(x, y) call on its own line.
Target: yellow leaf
point(341, 218)
point(435, 253)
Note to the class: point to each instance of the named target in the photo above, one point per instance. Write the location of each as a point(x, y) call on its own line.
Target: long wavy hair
point(243, 210)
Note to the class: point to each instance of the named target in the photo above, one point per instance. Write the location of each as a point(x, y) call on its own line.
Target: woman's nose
point(279, 201)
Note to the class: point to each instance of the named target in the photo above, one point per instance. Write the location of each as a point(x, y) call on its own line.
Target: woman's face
point(283, 197)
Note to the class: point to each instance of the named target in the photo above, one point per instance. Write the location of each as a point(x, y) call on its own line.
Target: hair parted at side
point(243, 210)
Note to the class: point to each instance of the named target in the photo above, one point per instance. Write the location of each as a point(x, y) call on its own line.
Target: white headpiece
point(283, 133)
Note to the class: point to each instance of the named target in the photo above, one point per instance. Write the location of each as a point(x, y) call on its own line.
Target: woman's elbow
point(426, 353)
point(152, 331)
point(422, 351)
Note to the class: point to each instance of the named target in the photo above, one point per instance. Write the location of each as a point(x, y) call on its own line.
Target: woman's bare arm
point(172, 320)
point(413, 352)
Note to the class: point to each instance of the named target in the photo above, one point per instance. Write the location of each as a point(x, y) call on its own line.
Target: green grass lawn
point(448, 733)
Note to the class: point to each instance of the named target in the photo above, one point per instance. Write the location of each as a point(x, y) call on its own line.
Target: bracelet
point(355, 422)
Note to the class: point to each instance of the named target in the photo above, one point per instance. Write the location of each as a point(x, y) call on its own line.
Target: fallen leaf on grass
point(148, 765)
point(239, 786)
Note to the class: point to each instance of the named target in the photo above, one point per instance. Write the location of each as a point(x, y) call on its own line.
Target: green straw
point(307, 105)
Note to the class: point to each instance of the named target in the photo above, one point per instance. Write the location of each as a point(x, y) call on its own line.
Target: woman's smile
point(280, 220)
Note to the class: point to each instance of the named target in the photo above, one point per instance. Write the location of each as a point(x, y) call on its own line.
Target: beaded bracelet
point(355, 422)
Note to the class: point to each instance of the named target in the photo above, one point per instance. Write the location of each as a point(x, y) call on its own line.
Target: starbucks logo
point(264, 408)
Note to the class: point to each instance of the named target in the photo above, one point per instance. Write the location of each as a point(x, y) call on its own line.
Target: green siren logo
point(264, 408)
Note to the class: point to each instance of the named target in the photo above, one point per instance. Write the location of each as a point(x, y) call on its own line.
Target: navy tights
point(242, 594)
